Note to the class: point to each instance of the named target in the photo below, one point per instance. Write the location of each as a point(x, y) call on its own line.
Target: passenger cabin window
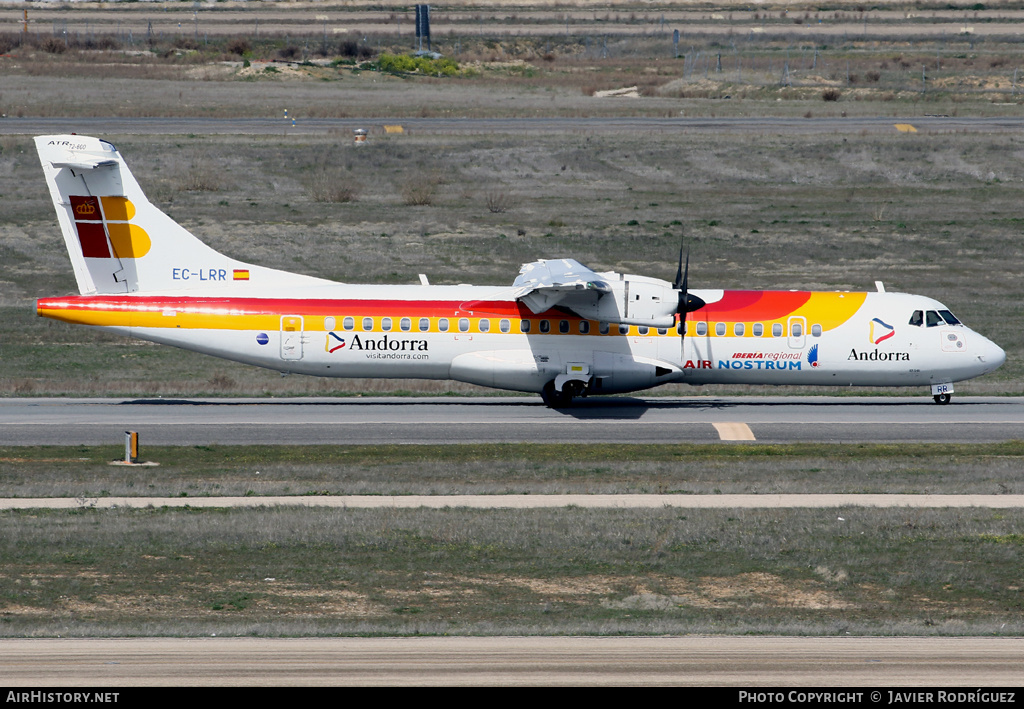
point(524, 326)
point(424, 324)
point(385, 324)
point(463, 324)
point(798, 330)
point(917, 319)
point(720, 329)
point(329, 323)
point(584, 327)
point(603, 328)
point(563, 327)
point(643, 329)
point(504, 325)
point(367, 324)
point(623, 329)
point(662, 331)
point(349, 323)
point(702, 328)
point(442, 324)
point(738, 329)
point(949, 317)
point(931, 318)
point(485, 325)
point(816, 330)
point(776, 329)
point(758, 330)
point(405, 324)
point(545, 326)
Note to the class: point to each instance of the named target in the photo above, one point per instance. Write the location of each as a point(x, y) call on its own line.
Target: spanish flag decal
point(241, 274)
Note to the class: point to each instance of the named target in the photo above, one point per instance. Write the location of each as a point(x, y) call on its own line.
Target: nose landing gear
point(942, 392)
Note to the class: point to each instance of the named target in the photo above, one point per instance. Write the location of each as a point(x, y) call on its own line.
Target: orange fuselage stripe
point(830, 310)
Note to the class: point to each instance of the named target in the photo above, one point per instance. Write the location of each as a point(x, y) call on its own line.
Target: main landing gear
point(562, 399)
point(942, 398)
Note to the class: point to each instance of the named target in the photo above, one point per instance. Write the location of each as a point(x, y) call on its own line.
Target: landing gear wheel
point(556, 399)
point(942, 398)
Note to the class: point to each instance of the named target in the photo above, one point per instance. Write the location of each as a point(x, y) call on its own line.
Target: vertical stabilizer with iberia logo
point(119, 242)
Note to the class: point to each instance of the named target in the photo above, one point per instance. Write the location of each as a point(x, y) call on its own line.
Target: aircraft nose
point(992, 355)
point(998, 356)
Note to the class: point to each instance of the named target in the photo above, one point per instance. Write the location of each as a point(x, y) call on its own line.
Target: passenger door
point(291, 337)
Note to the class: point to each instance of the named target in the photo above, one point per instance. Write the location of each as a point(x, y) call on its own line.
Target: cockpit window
point(932, 318)
point(917, 319)
point(949, 317)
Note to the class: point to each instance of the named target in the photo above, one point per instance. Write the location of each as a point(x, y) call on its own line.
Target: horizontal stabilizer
point(85, 164)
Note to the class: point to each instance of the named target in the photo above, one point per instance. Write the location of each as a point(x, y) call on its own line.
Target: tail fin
point(121, 243)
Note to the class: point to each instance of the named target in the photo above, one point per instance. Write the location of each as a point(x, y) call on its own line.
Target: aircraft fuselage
point(473, 334)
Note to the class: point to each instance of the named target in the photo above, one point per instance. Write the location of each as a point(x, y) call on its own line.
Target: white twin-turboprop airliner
point(560, 330)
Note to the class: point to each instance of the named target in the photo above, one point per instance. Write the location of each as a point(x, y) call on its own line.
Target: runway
point(381, 420)
point(527, 502)
point(115, 126)
point(942, 663)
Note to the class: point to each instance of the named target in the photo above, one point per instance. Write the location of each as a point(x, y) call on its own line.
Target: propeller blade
point(678, 283)
point(686, 273)
point(687, 303)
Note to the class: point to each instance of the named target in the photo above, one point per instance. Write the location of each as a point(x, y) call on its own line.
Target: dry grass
point(446, 469)
point(202, 177)
point(327, 185)
point(420, 191)
point(499, 201)
point(267, 572)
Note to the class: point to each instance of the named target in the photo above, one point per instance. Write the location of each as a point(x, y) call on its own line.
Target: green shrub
point(405, 64)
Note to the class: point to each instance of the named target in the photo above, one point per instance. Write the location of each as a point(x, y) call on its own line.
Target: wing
point(545, 284)
point(608, 297)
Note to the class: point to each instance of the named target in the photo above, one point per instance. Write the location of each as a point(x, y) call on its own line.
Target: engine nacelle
point(633, 300)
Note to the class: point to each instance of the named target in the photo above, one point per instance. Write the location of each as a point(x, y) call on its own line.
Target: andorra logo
point(880, 331)
point(327, 345)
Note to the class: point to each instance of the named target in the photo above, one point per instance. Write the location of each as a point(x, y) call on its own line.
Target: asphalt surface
point(523, 502)
point(510, 419)
point(946, 664)
point(112, 126)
